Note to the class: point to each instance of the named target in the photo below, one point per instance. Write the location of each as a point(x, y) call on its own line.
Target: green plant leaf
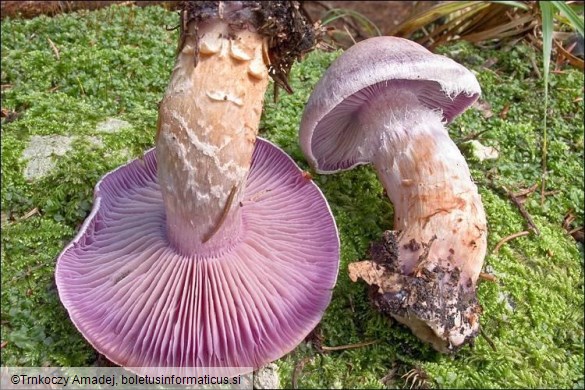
point(547, 15)
point(575, 20)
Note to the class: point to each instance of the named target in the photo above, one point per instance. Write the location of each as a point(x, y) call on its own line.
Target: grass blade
point(547, 15)
point(365, 23)
point(575, 20)
point(514, 27)
point(516, 4)
point(430, 15)
point(442, 33)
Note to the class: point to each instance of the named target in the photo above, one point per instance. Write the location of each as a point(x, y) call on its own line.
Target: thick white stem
point(208, 121)
point(430, 186)
point(429, 285)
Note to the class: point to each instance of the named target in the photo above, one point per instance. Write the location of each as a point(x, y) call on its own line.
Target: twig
point(26, 216)
point(535, 67)
point(29, 214)
point(348, 33)
point(568, 220)
point(255, 197)
point(489, 341)
point(551, 192)
point(488, 277)
point(417, 377)
point(573, 231)
point(349, 346)
point(472, 136)
point(523, 211)
point(526, 191)
point(429, 36)
point(509, 238)
point(276, 93)
point(224, 213)
point(55, 50)
point(297, 370)
point(578, 234)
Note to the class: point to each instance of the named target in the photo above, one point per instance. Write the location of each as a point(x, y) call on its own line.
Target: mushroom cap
point(142, 304)
point(329, 135)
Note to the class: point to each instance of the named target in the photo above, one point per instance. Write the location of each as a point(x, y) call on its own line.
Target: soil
point(386, 15)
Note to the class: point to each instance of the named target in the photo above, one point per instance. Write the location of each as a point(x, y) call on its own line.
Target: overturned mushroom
point(213, 250)
point(385, 101)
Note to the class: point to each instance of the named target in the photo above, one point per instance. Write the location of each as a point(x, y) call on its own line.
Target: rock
point(267, 377)
point(112, 125)
point(96, 141)
point(481, 152)
point(39, 151)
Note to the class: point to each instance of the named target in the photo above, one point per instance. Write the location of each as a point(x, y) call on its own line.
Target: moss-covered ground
point(115, 63)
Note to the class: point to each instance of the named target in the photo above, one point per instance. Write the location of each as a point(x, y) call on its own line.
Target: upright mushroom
point(213, 250)
point(385, 101)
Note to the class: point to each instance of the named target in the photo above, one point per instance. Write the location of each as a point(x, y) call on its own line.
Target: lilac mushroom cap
point(332, 135)
point(143, 304)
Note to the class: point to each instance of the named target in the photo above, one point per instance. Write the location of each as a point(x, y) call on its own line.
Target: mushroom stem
point(440, 219)
point(208, 122)
point(430, 186)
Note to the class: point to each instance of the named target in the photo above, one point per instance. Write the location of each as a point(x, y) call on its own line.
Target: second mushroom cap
point(331, 133)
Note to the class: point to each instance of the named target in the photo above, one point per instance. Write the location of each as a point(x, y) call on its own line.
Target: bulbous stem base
point(424, 273)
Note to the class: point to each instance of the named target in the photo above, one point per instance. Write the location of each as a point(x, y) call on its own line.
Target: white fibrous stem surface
point(438, 218)
point(208, 122)
point(430, 186)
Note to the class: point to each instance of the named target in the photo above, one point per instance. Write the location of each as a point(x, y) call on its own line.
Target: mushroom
point(385, 101)
point(214, 249)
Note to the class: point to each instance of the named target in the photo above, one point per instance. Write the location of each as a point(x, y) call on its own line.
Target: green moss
point(533, 315)
point(34, 323)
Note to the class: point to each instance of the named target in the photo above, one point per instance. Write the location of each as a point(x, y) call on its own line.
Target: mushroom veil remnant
point(385, 101)
point(213, 250)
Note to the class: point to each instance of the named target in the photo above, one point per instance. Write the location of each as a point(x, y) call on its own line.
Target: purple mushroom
point(213, 250)
point(385, 101)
